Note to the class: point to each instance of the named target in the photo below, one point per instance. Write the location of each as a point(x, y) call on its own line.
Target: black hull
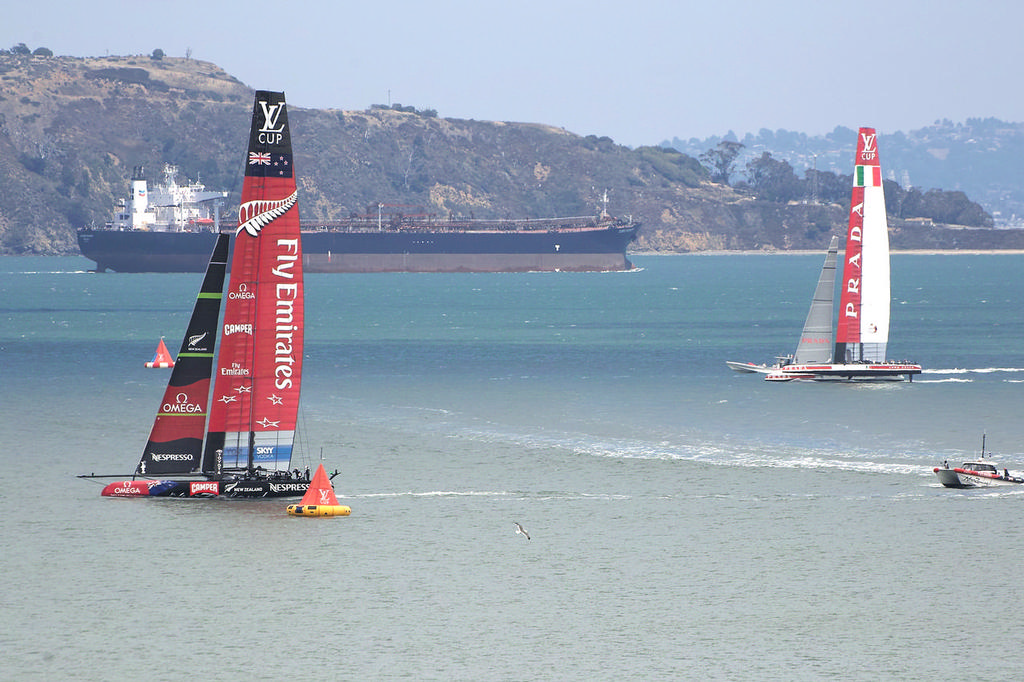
point(327, 251)
point(227, 488)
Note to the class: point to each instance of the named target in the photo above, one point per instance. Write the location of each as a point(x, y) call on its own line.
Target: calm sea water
point(687, 522)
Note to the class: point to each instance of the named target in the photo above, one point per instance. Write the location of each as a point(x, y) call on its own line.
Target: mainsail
point(815, 346)
point(176, 441)
point(863, 326)
point(259, 365)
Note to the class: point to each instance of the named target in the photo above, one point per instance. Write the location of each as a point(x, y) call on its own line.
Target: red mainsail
point(259, 366)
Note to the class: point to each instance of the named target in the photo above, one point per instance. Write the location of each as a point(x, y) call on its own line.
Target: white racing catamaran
point(862, 329)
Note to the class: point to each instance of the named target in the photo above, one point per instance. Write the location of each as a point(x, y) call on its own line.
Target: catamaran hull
point(852, 372)
point(225, 488)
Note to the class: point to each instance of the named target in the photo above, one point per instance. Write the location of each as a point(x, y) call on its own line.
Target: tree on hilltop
point(721, 160)
point(774, 180)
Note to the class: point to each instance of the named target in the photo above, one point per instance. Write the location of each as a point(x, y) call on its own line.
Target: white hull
point(748, 367)
point(878, 371)
point(959, 479)
point(975, 475)
point(969, 481)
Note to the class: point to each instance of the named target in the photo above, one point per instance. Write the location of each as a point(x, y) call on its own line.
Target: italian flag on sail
point(867, 176)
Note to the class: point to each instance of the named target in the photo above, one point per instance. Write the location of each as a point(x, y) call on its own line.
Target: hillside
point(71, 130)
point(980, 157)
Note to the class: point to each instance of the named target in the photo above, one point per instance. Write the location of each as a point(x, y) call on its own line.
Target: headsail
point(256, 390)
point(176, 441)
point(815, 345)
point(862, 331)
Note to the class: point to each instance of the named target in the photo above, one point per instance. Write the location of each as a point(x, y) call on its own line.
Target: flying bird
point(521, 530)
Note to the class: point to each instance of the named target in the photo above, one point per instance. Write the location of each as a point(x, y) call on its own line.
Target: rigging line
point(301, 438)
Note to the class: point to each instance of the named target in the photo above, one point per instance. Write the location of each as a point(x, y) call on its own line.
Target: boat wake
point(966, 375)
point(976, 370)
point(727, 455)
point(437, 493)
point(58, 272)
point(533, 495)
point(986, 491)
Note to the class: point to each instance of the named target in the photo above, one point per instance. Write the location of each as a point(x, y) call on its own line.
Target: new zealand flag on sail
point(270, 144)
point(267, 165)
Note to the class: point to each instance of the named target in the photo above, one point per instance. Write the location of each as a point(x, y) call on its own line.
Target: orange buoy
point(319, 499)
point(162, 358)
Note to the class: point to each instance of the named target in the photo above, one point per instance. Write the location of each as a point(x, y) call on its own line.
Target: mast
point(862, 331)
point(259, 364)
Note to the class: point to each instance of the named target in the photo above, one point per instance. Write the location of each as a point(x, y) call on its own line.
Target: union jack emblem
point(259, 158)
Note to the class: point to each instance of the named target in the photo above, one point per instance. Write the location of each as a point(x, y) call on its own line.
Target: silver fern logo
point(193, 340)
point(253, 216)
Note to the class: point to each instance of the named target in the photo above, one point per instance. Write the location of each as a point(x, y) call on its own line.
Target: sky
point(637, 71)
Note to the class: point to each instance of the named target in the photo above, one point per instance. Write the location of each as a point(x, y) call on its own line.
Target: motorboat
point(975, 474)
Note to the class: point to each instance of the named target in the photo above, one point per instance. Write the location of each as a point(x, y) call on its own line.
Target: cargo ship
point(146, 236)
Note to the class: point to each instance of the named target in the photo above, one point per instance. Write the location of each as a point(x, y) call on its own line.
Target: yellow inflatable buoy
point(319, 499)
point(319, 510)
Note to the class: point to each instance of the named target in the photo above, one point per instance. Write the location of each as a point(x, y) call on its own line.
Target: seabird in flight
point(521, 530)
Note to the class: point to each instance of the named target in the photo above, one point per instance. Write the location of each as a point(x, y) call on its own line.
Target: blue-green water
point(687, 522)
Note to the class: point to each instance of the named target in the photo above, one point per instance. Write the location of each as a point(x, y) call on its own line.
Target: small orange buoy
point(162, 358)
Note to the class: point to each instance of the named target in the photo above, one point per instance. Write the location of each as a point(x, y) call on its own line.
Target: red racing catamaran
point(237, 440)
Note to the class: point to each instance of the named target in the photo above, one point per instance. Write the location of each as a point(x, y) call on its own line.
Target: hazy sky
point(638, 71)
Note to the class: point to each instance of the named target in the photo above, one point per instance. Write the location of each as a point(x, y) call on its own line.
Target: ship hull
point(326, 251)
